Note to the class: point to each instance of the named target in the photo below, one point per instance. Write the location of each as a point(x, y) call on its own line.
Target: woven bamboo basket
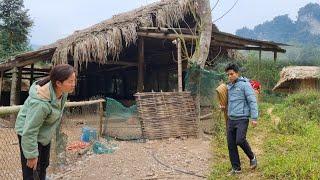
point(222, 93)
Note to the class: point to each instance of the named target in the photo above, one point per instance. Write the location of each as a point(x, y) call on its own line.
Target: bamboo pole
point(83, 103)
point(15, 109)
point(179, 66)
point(9, 110)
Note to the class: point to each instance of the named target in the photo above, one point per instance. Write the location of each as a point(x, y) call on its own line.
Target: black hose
point(178, 170)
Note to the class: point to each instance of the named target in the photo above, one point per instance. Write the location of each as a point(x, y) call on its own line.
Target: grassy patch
point(288, 149)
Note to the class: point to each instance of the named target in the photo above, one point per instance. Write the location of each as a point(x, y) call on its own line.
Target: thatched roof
point(297, 73)
point(105, 41)
point(108, 38)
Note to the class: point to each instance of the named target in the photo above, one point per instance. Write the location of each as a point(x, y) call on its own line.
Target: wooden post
point(1, 80)
point(31, 74)
point(13, 86)
point(179, 66)
point(140, 65)
point(275, 56)
point(101, 118)
point(18, 92)
point(259, 65)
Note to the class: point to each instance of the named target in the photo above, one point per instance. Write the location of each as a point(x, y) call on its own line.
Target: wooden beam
point(179, 66)
point(215, 43)
point(140, 86)
point(227, 41)
point(8, 75)
point(187, 31)
point(121, 63)
point(168, 30)
point(234, 45)
point(13, 86)
point(167, 36)
point(233, 38)
point(36, 69)
point(254, 48)
point(116, 68)
point(1, 81)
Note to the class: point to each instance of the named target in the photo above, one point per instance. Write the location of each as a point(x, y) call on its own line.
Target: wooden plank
point(179, 66)
point(141, 65)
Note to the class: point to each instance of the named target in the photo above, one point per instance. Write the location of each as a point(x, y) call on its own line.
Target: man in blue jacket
point(242, 105)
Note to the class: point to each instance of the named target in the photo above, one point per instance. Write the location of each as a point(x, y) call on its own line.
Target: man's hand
point(222, 107)
point(254, 123)
point(32, 163)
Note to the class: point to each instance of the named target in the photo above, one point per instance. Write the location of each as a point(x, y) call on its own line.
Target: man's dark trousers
point(236, 135)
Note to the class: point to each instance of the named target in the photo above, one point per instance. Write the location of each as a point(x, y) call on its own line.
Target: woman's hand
point(32, 163)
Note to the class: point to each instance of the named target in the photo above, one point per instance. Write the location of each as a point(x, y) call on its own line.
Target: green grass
point(289, 149)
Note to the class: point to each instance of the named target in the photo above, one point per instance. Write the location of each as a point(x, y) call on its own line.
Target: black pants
point(43, 162)
point(236, 136)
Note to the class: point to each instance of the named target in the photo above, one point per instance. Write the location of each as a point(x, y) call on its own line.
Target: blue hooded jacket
point(242, 102)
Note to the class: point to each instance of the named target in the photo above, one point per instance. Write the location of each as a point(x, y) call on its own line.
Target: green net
point(121, 122)
point(115, 110)
point(204, 80)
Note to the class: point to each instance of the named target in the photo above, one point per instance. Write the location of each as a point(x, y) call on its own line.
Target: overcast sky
point(56, 19)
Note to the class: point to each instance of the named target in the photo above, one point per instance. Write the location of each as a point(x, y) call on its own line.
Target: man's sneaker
point(253, 163)
point(234, 171)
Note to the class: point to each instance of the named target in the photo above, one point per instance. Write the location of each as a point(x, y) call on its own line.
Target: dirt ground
point(157, 159)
